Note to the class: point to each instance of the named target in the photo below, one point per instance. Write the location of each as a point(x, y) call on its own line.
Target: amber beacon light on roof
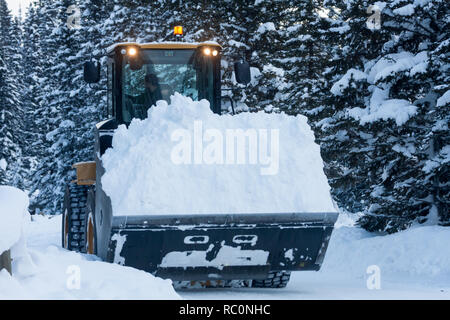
point(178, 31)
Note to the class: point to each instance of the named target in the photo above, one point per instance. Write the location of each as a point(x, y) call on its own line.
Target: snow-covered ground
point(51, 272)
point(414, 264)
point(13, 212)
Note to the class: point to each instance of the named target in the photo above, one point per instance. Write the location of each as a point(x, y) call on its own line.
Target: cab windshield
point(159, 75)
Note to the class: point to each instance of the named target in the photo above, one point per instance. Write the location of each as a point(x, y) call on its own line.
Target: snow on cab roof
point(164, 45)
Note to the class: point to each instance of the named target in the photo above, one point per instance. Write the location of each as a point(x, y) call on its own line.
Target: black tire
point(74, 218)
point(275, 279)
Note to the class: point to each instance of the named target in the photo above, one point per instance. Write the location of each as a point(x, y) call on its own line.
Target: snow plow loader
point(209, 250)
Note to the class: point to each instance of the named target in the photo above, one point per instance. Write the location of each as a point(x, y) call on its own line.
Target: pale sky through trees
point(14, 5)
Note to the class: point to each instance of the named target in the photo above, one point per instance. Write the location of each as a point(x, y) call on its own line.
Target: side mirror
point(91, 72)
point(242, 72)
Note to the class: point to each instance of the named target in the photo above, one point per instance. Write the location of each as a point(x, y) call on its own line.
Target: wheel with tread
point(275, 279)
point(75, 218)
point(91, 234)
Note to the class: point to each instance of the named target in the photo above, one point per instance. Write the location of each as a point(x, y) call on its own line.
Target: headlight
point(132, 52)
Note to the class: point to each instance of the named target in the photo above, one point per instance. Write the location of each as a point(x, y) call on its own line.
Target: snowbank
point(414, 264)
point(13, 212)
point(43, 271)
point(182, 160)
point(60, 274)
point(419, 252)
point(51, 272)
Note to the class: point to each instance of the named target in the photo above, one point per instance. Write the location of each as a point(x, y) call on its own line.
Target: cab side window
point(110, 89)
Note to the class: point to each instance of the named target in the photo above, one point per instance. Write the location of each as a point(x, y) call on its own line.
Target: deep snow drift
point(185, 159)
point(46, 271)
point(13, 212)
point(420, 252)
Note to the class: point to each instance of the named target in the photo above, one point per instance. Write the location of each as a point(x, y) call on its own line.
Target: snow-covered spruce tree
point(121, 23)
point(411, 186)
point(129, 20)
point(93, 46)
point(236, 28)
point(62, 102)
point(9, 151)
point(30, 65)
point(149, 21)
point(398, 114)
point(46, 116)
point(200, 19)
point(437, 166)
point(305, 55)
point(24, 131)
point(345, 146)
point(79, 110)
point(423, 31)
point(268, 43)
point(253, 31)
point(434, 104)
point(33, 73)
point(11, 124)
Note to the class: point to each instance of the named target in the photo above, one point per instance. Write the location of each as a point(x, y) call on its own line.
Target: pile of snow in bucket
point(185, 159)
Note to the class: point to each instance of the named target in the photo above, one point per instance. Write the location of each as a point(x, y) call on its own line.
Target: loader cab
point(141, 74)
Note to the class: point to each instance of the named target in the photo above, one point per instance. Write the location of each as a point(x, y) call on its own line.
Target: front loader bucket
point(221, 247)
